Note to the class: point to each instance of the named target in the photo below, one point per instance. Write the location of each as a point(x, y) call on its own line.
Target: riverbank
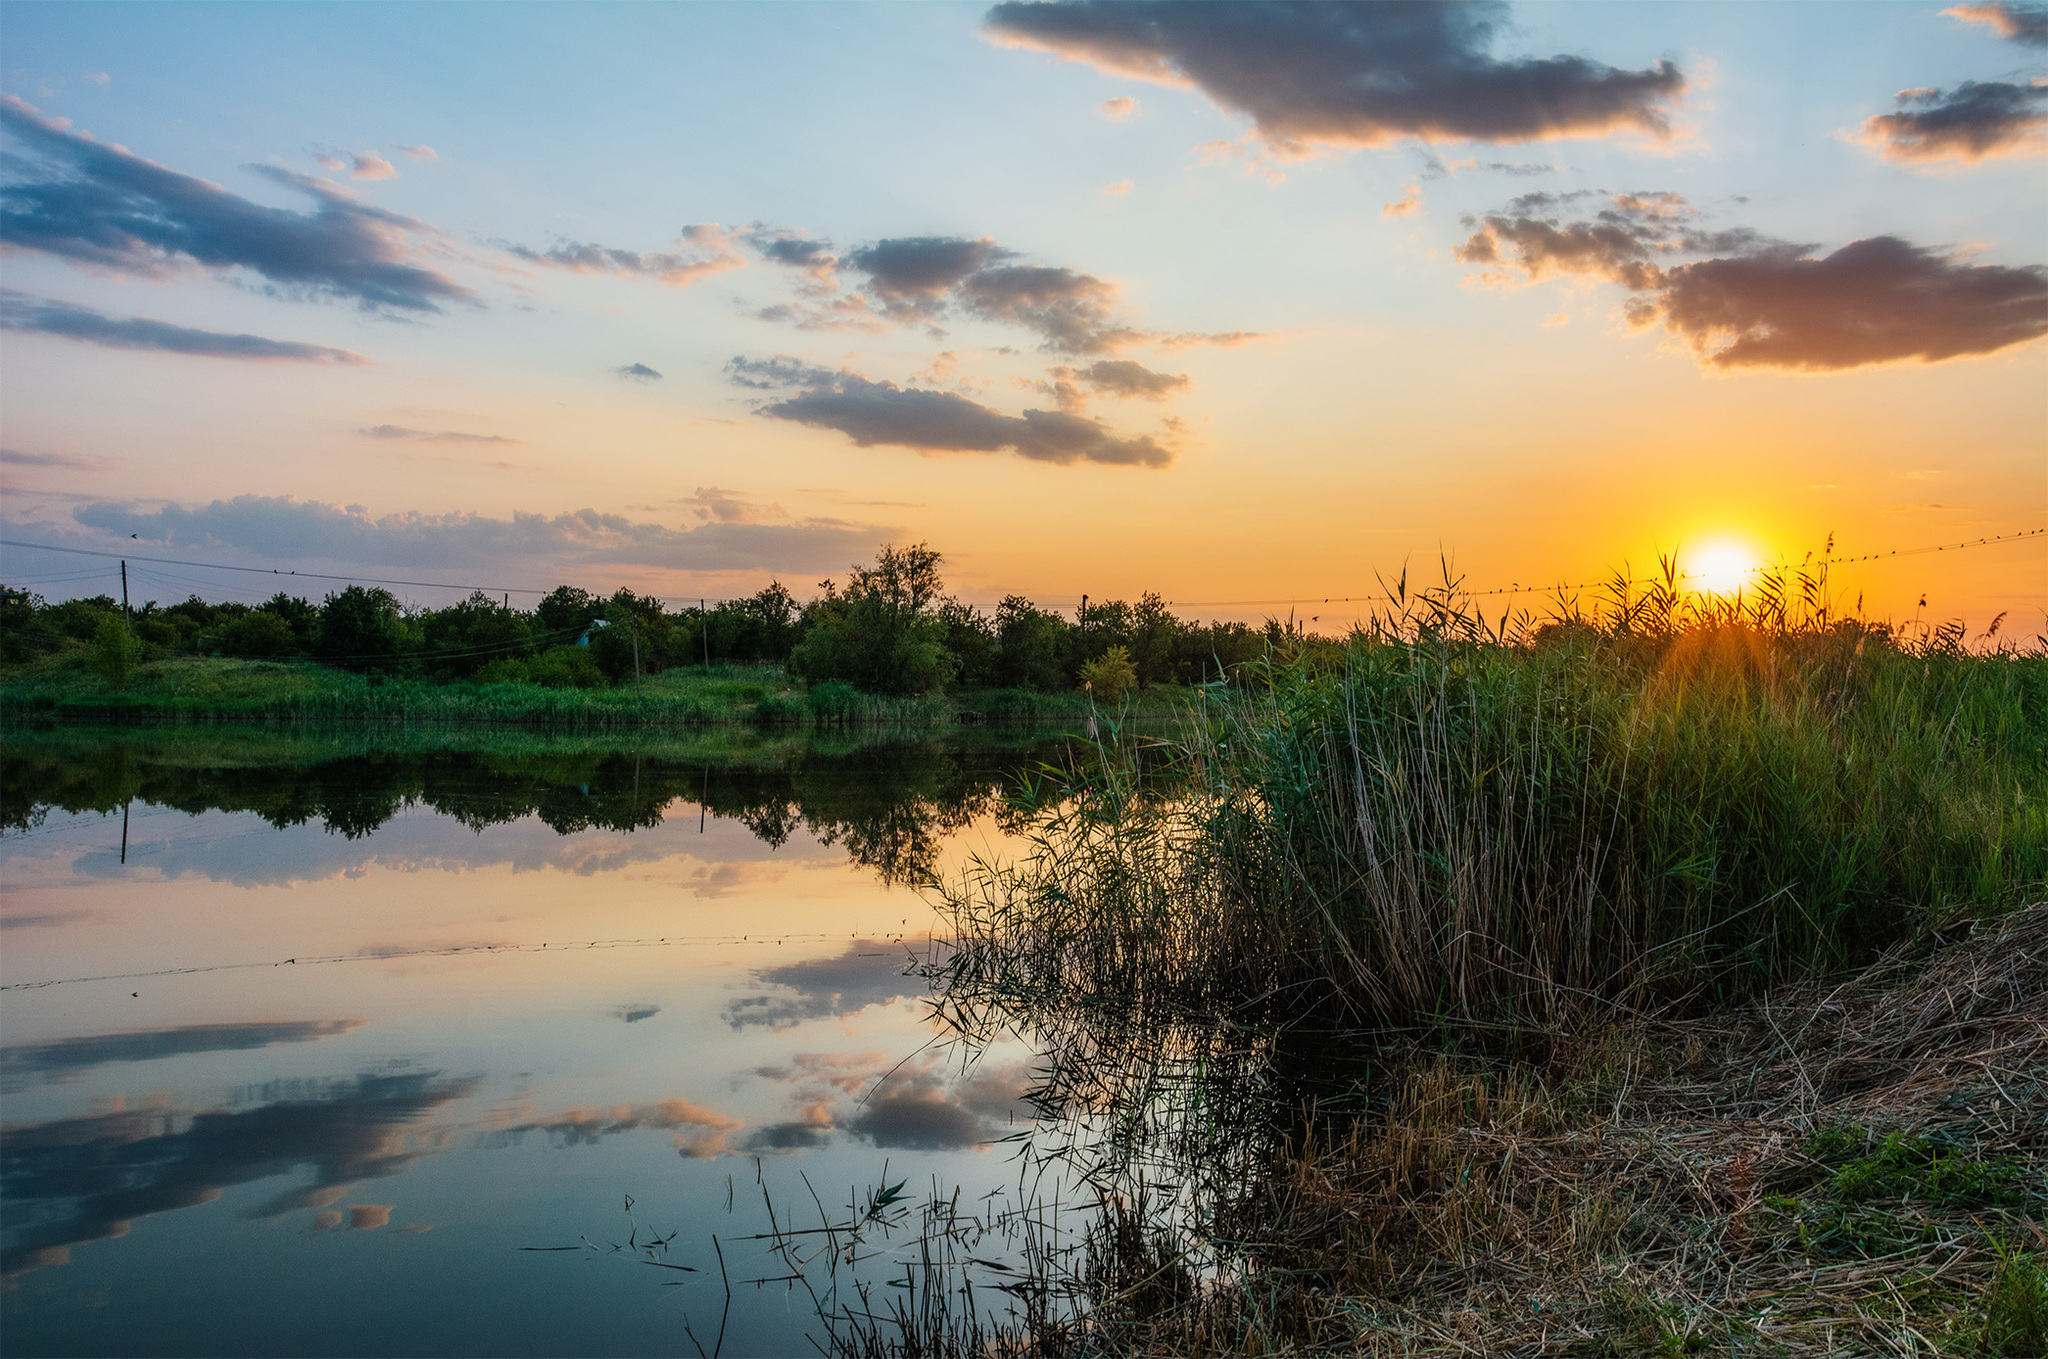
point(66, 689)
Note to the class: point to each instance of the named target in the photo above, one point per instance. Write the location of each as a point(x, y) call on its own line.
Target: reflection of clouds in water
point(27, 1064)
point(86, 1179)
point(633, 1014)
point(243, 849)
point(912, 1107)
point(709, 882)
point(698, 1131)
point(365, 1216)
point(872, 972)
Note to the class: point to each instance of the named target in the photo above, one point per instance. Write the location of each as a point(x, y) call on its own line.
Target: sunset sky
point(1231, 302)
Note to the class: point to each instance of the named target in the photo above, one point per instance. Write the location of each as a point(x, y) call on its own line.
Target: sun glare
point(1721, 568)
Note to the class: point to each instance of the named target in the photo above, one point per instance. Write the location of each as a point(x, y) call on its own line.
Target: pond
point(358, 1043)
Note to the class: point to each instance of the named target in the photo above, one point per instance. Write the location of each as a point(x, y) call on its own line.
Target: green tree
point(360, 628)
point(881, 634)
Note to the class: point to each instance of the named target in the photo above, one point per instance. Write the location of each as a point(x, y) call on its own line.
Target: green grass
point(1433, 828)
point(67, 688)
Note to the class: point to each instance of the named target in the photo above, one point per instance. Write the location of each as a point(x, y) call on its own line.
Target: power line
point(274, 571)
point(2025, 536)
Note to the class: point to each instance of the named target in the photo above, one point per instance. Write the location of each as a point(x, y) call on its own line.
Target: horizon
point(1227, 303)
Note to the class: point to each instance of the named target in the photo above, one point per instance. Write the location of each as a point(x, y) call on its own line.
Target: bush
point(833, 701)
point(1110, 676)
point(562, 667)
point(260, 635)
point(778, 710)
point(359, 629)
point(115, 650)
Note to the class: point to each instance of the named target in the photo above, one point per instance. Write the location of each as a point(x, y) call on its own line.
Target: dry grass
point(1853, 1169)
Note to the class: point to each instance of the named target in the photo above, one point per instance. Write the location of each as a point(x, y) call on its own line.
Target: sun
point(1721, 568)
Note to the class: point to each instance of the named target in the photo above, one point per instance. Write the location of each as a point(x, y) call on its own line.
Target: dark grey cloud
point(869, 973)
point(1975, 120)
point(1123, 377)
point(279, 528)
point(47, 316)
point(22, 1065)
point(1072, 311)
point(2013, 20)
point(639, 372)
point(431, 436)
point(86, 1179)
point(810, 256)
point(97, 204)
point(1356, 74)
point(872, 413)
point(1764, 303)
point(777, 372)
point(915, 270)
point(633, 1014)
point(705, 249)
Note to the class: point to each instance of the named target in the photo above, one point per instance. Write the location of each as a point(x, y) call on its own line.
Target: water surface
point(306, 1036)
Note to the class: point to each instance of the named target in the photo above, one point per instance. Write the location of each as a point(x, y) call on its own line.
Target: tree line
point(890, 628)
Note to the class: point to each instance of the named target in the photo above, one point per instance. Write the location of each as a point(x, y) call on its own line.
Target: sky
point(1255, 306)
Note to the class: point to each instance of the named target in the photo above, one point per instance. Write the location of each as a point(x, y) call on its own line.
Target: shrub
point(115, 650)
point(833, 701)
point(778, 710)
point(1110, 676)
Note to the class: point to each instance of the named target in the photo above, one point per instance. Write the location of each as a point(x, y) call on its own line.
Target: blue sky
point(1358, 396)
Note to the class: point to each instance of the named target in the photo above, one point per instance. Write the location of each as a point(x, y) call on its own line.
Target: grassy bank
point(66, 688)
point(1623, 985)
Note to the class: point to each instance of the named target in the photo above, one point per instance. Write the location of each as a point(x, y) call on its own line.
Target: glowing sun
point(1721, 568)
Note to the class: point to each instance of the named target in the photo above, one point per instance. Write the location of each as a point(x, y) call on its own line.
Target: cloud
point(97, 204)
point(1350, 74)
point(1118, 189)
point(1974, 121)
point(872, 413)
point(1407, 204)
point(99, 78)
point(370, 165)
point(68, 320)
point(808, 255)
point(633, 1014)
point(1125, 378)
point(1072, 311)
point(777, 372)
point(1120, 108)
point(729, 507)
point(365, 1217)
point(789, 1137)
point(869, 973)
point(638, 372)
point(925, 279)
point(416, 152)
point(1765, 303)
point(22, 1065)
point(2012, 20)
point(14, 457)
point(433, 436)
point(706, 250)
point(87, 1179)
point(282, 529)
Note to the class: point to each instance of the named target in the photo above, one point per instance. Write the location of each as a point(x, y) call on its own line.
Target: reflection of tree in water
point(889, 806)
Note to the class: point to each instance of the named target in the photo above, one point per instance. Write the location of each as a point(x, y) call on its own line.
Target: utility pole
point(633, 620)
point(124, 598)
point(704, 631)
point(1084, 622)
